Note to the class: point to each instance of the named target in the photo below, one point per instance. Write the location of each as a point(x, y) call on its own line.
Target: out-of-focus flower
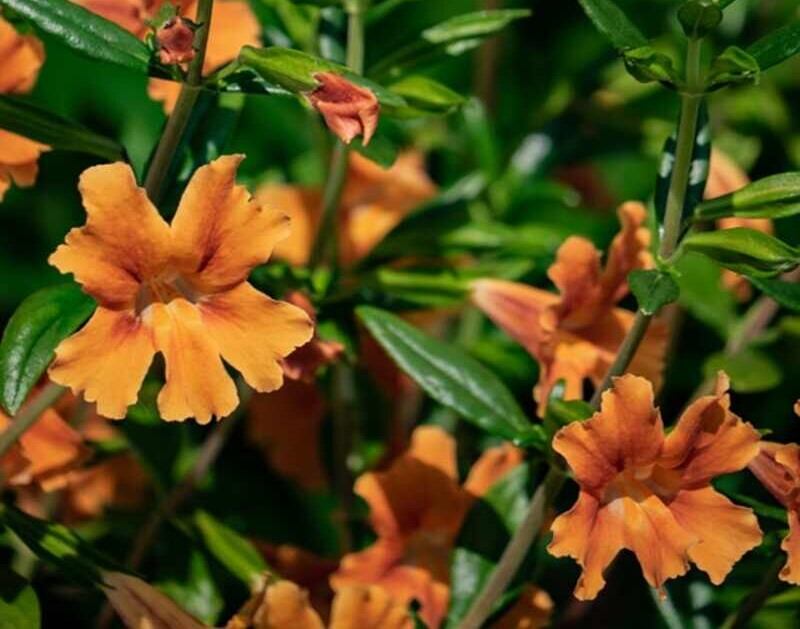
point(373, 202)
point(531, 611)
point(304, 362)
point(178, 289)
point(349, 110)
point(576, 335)
point(724, 177)
point(233, 25)
point(175, 41)
point(416, 509)
point(777, 466)
point(22, 57)
point(652, 494)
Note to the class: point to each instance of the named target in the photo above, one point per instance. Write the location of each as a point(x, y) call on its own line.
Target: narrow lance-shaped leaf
point(777, 196)
point(614, 24)
point(43, 126)
point(232, 550)
point(41, 322)
point(19, 606)
point(777, 46)
point(787, 294)
point(84, 31)
point(452, 378)
point(750, 371)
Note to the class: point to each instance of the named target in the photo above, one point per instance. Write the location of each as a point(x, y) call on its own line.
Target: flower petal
point(628, 251)
point(123, 243)
point(348, 109)
point(492, 465)
point(107, 360)
point(576, 274)
point(286, 606)
point(302, 205)
point(780, 480)
point(197, 384)
point(129, 14)
point(367, 607)
point(533, 610)
point(253, 332)
point(22, 57)
point(219, 232)
point(233, 25)
point(436, 448)
point(726, 531)
point(791, 546)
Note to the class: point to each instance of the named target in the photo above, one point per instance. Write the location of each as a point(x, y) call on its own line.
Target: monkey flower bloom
point(22, 56)
point(175, 41)
point(777, 466)
point(652, 494)
point(304, 362)
point(178, 289)
point(349, 109)
point(416, 509)
point(576, 335)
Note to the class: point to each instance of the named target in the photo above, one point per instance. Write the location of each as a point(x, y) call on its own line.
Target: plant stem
point(29, 415)
point(741, 617)
point(176, 124)
point(514, 554)
point(343, 414)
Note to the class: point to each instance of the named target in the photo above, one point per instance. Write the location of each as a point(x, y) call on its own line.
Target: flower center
point(639, 483)
point(163, 289)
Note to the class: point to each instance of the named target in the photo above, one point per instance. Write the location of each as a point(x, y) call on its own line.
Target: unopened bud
point(176, 41)
point(699, 17)
point(349, 110)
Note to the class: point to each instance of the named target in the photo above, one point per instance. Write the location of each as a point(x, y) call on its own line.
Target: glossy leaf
point(420, 288)
point(744, 250)
point(84, 31)
point(703, 295)
point(43, 126)
point(452, 377)
point(614, 24)
point(19, 605)
point(750, 371)
point(787, 294)
point(231, 549)
point(653, 289)
point(733, 66)
point(40, 323)
point(426, 94)
point(777, 196)
point(776, 47)
point(193, 587)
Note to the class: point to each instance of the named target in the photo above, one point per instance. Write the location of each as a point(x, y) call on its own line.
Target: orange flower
point(373, 202)
point(575, 335)
point(725, 177)
point(531, 611)
point(304, 362)
point(652, 494)
point(22, 57)
point(349, 110)
point(178, 289)
point(175, 41)
point(416, 509)
point(777, 466)
point(129, 14)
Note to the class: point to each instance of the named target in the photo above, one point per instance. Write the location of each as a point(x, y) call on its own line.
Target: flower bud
point(699, 17)
point(349, 110)
point(176, 41)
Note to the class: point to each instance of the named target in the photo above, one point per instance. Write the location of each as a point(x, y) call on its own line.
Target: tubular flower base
point(777, 466)
point(416, 509)
point(177, 289)
point(22, 57)
point(349, 110)
point(652, 494)
point(575, 335)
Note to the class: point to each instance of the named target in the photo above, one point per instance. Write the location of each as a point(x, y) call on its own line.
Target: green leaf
point(614, 24)
point(653, 289)
point(232, 550)
point(193, 587)
point(750, 371)
point(84, 31)
point(43, 126)
point(777, 196)
point(432, 289)
point(40, 323)
point(427, 95)
point(19, 605)
point(787, 294)
point(560, 412)
point(452, 378)
point(380, 149)
point(646, 64)
point(744, 250)
point(732, 66)
point(703, 295)
point(776, 47)
point(293, 71)
point(768, 511)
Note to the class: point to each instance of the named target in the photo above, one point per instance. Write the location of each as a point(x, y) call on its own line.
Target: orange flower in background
point(374, 201)
point(304, 362)
point(724, 177)
point(575, 335)
point(777, 466)
point(531, 611)
point(349, 110)
point(175, 41)
point(178, 289)
point(652, 494)
point(416, 509)
point(22, 57)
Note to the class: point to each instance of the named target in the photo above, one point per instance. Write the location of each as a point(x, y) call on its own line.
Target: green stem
point(179, 119)
point(741, 617)
point(29, 415)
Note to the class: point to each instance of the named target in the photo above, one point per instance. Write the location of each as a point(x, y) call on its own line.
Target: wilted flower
point(651, 494)
point(575, 335)
point(175, 41)
point(349, 110)
point(22, 57)
point(777, 466)
point(178, 289)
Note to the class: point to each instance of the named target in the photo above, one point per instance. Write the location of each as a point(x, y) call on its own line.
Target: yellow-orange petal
point(197, 384)
point(19, 158)
point(367, 607)
point(22, 57)
point(286, 606)
point(253, 332)
point(576, 274)
point(492, 465)
point(119, 482)
point(724, 176)
point(219, 232)
point(435, 447)
point(129, 14)
point(164, 91)
point(531, 611)
point(124, 242)
point(791, 546)
point(302, 205)
point(626, 432)
point(233, 25)
point(779, 480)
point(725, 531)
point(627, 252)
point(107, 360)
